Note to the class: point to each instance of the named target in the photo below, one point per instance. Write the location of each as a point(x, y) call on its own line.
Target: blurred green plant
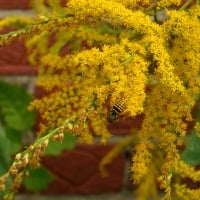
point(55, 148)
point(16, 119)
point(191, 153)
point(37, 180)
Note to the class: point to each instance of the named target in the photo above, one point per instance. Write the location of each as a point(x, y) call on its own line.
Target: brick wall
point(77, 170)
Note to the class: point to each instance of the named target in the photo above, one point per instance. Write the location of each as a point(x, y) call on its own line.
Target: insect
point(116, 110)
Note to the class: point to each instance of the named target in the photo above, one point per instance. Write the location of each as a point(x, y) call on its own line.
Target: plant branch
point(186, 4)
point(47, 24)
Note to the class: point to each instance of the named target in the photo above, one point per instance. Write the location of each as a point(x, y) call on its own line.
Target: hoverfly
point(116, 110)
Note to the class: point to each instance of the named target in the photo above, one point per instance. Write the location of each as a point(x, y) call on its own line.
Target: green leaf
point(191, 154)
point(13, 106)
point(55, 148)
point(38, 180)
point(5, 155)
point(15, 139)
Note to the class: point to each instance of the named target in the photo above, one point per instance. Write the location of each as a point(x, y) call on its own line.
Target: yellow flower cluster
point(186, 171)
point(141, 161)
point(184, 193)
point(117, 13)
point(168, 3)
point(118, 66)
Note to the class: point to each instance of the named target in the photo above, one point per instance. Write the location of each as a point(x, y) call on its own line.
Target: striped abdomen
point(116, 110)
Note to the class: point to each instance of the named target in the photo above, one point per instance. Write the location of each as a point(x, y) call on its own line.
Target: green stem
point(47, 25)
point(152, 6)
point(41, 139)
point(186, 4)
point(155, 14)
point(198, 111)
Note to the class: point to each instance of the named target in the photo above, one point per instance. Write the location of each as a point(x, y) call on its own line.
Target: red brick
point(124, 126)
point(17, 70)
point(14, 59)
point(14, 53)
point(25, 4)
point(77, 171)
point(20, 4)
point(14, 4)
